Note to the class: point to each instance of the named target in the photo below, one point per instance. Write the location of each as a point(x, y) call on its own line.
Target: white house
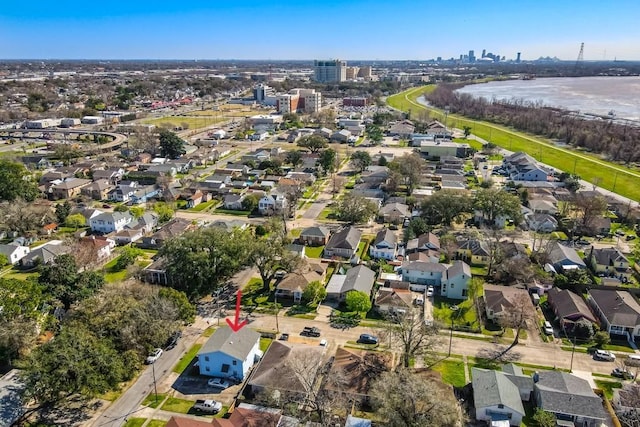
point(229, 354)
point(110, 221)
point(272, 203)
point(452, 279)
point(14, 252)
point(384, 246)
point(542, 223)
point(496, 398)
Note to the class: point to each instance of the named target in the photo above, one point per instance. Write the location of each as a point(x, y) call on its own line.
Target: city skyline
point(303, 30)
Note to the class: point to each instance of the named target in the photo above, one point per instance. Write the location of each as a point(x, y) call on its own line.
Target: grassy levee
point(607, 175)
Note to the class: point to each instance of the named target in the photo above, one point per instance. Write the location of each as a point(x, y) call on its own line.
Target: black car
point(367, 339)
point(310, 331)
point(173, 340)
point(284, 337)
point(622, 373)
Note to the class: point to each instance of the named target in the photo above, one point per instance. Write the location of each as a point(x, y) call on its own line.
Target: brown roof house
point(569, 308)
point(68, 189)
point(294, 283)
point(315, 236)
point(98, 189)
point(618, 311)
point(393, 300)
point(500, 300)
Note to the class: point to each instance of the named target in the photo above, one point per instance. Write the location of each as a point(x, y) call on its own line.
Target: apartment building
point(299, 100)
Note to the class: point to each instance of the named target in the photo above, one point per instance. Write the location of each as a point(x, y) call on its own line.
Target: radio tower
point(580, 59)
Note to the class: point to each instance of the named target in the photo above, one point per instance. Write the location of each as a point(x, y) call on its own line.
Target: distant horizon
point(296, 30)
point(506, 61)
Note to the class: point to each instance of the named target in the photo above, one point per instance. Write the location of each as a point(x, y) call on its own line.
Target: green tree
point(171, 145)
point(445, 206)
point(4, 260)
point(544, 418)
point(16, 182)
point(493, 203)
point(136, 211)
point(358, 301)
point(294, 158)
point(67, 153)
point(361, 159)
point(270, 255)
point(62, 211)
point(76, 221)
point(601, 338)
point(165, 212)
point(121, 208)
point(328, 160)
point(128, 256)
point(410, 167)
point(313, 143)
point(403, 398)
point(314, 293)
point(467, 131)
point(355, 209)
point(198, 262)
point(375, 133)
point(186, 310)
point(64, 283)
point(250, 202)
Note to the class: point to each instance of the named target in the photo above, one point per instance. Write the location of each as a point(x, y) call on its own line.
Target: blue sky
point(303, 29)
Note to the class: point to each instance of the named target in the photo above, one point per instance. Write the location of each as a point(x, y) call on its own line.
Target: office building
point(352, 73)
point(330, 71)
point(264, 94)
point(299, 100)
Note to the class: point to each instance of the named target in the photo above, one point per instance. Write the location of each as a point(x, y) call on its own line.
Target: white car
point(155, 355)
point(430, 291)
point(218, 383)
point(604, 355)
point(548, 329)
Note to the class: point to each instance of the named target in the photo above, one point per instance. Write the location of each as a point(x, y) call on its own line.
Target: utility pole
point(155, 388)
point(573, 350)
point(450, 337)
point(275, 301)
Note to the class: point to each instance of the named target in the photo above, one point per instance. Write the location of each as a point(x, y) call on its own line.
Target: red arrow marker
point(236, 325)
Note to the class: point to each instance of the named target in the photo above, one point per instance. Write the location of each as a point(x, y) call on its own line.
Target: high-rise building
point(264, 94)
point(518, 58)
point(305, 100)
point(330, 71)
point(352, 73)
point(472, 56)
point(365, 72)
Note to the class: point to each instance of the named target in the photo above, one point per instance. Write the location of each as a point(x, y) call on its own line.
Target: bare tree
point(588, 209)
point(517, 317)
point(414, 336)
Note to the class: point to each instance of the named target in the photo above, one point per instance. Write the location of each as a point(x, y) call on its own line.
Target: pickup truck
point(310, 331)
point(209, 406)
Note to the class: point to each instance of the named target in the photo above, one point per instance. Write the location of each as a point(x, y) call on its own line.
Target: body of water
point(588, 95)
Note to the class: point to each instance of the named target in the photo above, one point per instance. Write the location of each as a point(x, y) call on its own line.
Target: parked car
point(218, 383)
point(173, 340)
point(430, 291)
point(622, 373)
point(209, 406)
point(367, 339)
point(153, 356)
point(310, 331)
point(284, 337)
point(604, 355)
point(548, 329)
point(323, 342)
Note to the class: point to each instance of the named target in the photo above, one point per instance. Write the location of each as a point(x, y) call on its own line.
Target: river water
point(588, 95)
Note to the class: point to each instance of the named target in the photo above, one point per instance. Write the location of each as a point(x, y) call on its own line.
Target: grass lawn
point(479, 271)
point(203, 206)
point(607, 387)
point(295, 233)
point(177, 121)
point(186, 360)
point(465, 316)
point(326, 214)
point(232, 212)
point(157, 423)
point(313, 251)
point(587, 166)
point(151, 402)
point(19, 275)
point(452, 372)
point(209, 331)
point(264, 344)
point(135, 422)
point(111, 274)
point(181, 406)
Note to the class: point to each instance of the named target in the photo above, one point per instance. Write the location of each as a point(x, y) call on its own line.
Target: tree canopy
point(64, 283)
point(444, 207)
point(361, 159)
point(16, 182)
point(358, 301)
point(355, 209)
point(171, 145)
point(328, 160)
point(313, 143)
point(494, 203)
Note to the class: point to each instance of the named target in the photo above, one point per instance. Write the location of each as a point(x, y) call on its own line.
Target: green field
point(611, 176)
point(192, 122)
point(186, 360)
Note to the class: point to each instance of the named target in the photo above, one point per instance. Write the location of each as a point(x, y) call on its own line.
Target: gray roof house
point(358, 278)
point(384, 246)
point(315, 236)
point(570, 398)
point(44, 254)
point(230, 354)
point(618, 310)
point(344, 243)
point(394, 212)
point(564, 258)
point(496, 398)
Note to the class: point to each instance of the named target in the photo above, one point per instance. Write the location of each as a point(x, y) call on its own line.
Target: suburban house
point(44, 254)
point(496, 398)
point(109, 222)
point(424, 243)
point(272, 203)
point(569, 308)
point(294, 283)
point(570, 398)
point(524, 382)
point(174, 228)
point(229, 354)
point(390, 300)
point(541, 222)
point(522, 167)
point(68, 188)
point(394, 213)
point(14, 252)
point(402, 129)
point(543, 206)
point(111, 175)
point(315, 236)
point(626, 399)
point(343, 243)
point(99, 246)
point(244, 415)
point(357, 369)
point(384, 246)
point(375, 175)
point(452, 279)
point(128, 235)
point(563, 258)
point(609, 262)
point(123, 191)
point(281, 369)
point(618, 311)
point(97, 190)
point(144, 194)
point(359, 278)
point(233, 201)
point(500, 300)
point(475, 252)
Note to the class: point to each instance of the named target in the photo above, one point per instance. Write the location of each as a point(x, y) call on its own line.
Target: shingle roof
point(564, 393)
point(492, 388)
point(394, 297)
point(477, 247)
point(607, 256)
point(235, 344)
point(357, 369)
point(567, 304)
point(559, 253)
point(346, 238)
point(619, 307)
point(425, 266)
point(458, 268)
point(500, 298)
point(359, 278)
point(315, 231)
point(385, 235)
